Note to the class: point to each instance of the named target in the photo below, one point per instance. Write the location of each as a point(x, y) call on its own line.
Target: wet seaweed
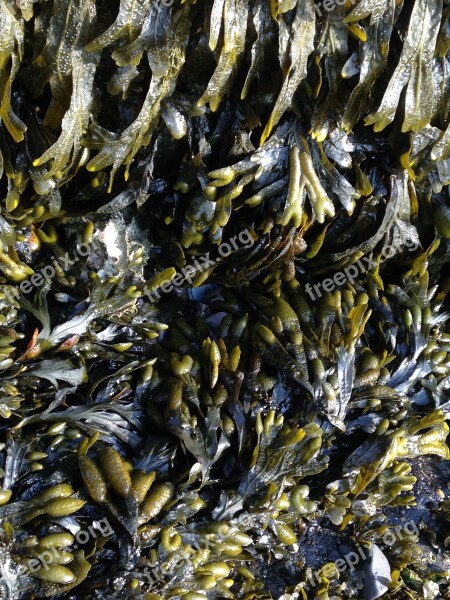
point(224, 325)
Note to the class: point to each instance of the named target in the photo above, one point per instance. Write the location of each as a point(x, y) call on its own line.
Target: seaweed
point(224, 324)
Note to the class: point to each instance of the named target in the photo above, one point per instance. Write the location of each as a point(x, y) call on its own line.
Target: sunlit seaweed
point(222, 409)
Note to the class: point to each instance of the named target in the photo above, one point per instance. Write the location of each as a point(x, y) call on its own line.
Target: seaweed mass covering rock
point(224, 323)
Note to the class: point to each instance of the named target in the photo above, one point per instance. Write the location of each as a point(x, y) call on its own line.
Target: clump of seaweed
point(224, 325)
